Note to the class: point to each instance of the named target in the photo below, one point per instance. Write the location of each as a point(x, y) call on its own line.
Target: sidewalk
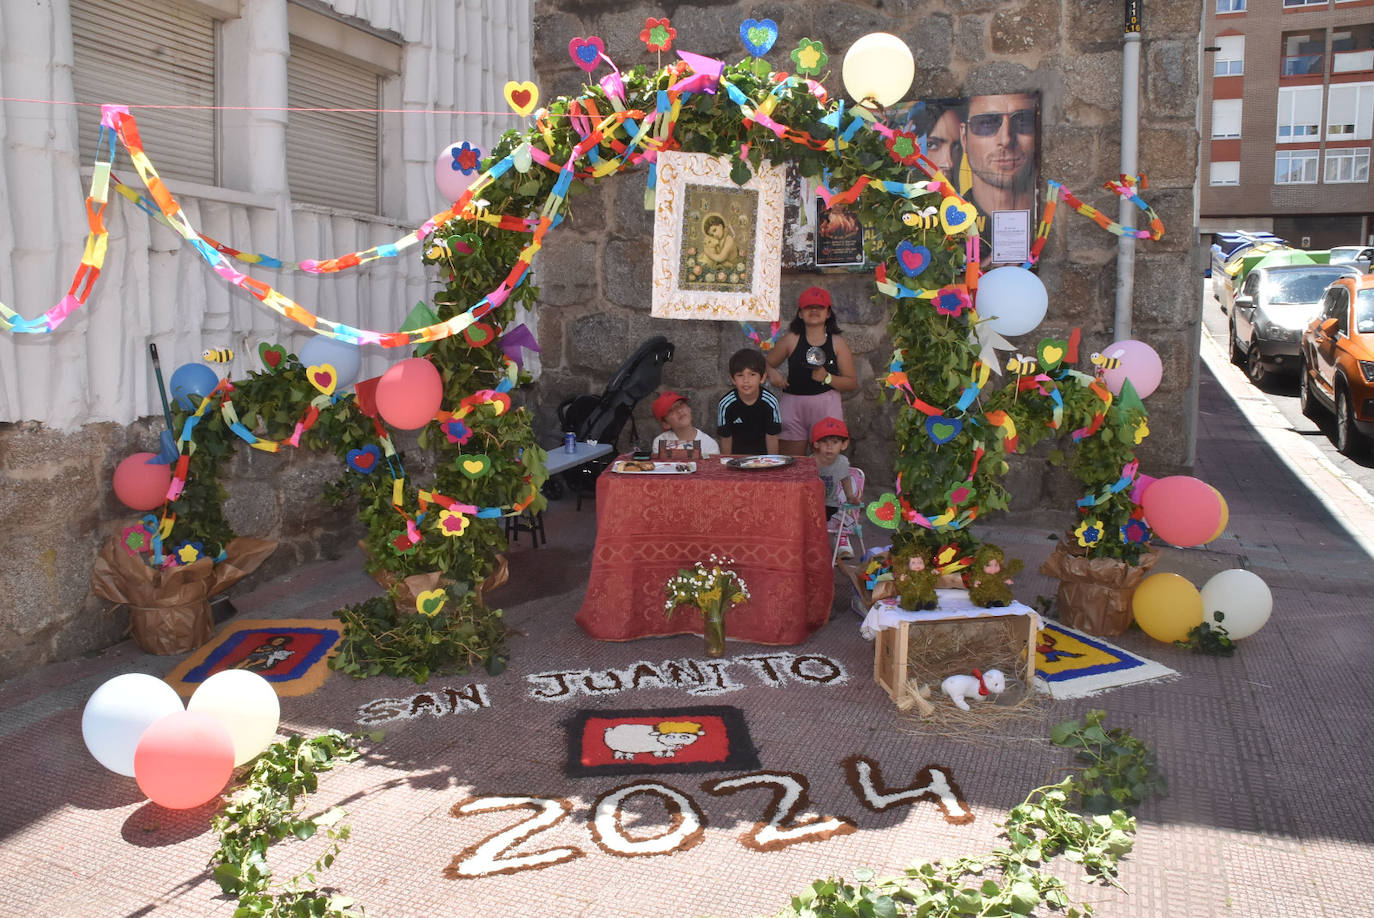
point(1271, 813)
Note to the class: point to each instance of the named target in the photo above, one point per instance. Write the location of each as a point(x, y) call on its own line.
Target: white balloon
point(878, 68)
point(244, 702)
point(1011, 300)
point(1237, 600)
point(117, 714)
point(345, 358)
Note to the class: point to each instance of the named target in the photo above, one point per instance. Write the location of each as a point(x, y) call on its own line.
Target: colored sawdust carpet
point(659, 741)
point(1074, 665)
point(290, 653)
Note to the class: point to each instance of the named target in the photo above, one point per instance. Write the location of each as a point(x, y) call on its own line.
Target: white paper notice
point(1010, 236)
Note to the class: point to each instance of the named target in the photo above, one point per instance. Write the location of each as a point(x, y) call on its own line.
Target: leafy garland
point(1121, 773)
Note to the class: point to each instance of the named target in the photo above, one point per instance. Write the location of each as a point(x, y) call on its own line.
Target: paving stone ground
point(1270, 811)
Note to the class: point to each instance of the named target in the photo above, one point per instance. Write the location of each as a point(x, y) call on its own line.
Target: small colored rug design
point(1074, 665)
point(659, 741)
point(290, 653)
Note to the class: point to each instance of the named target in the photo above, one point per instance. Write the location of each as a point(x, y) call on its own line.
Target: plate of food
point(649, 467)
point(755, 463)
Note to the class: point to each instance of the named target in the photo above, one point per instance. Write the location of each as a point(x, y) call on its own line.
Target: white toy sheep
point(978, 686)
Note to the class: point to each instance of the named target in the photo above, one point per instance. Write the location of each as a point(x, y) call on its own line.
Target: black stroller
point(602, 418)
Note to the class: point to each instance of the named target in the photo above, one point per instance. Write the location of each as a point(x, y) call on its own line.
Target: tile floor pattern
point(1270, 813)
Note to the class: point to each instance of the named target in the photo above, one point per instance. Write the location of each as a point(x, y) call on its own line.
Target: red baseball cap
point(665, 402)
point(814, 296)
point(829, 427)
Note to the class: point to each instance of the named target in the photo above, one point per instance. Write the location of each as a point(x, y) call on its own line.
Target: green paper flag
point(420, 317)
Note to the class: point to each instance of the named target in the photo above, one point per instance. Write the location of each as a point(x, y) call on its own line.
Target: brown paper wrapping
point(170, 609)
point(1095, 593)
point(411, 587)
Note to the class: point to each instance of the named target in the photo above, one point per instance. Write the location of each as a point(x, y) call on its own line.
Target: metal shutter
point(331, 157)
point(149, 52)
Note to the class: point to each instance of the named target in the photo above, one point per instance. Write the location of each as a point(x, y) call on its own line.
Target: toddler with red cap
point(674, 412)
point(829, 440)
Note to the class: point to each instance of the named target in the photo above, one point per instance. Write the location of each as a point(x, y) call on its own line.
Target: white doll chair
point(849, 516)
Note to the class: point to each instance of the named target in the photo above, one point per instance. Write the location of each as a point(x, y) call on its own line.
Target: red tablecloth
point(650, 526)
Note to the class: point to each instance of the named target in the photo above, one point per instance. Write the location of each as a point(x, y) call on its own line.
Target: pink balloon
point(1183, 510)
point(409, 394)
point(140, 486)
point(184, 759)
point(1136, 361)
point(451, 180)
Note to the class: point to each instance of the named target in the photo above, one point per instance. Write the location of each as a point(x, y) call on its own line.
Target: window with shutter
point(149, 52)
point(332, 157)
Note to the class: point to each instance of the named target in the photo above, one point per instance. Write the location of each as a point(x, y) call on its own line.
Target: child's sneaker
point(846, 551)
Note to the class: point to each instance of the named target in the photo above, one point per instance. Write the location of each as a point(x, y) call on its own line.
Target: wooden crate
point(892, 651)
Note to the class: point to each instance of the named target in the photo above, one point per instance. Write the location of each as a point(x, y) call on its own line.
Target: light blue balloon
point(346, 359)
point(192, 382)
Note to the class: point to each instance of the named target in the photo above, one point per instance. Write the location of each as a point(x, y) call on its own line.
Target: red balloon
point(409, 394)
point(1183, 510)
point(184, 760)
point(140, 486)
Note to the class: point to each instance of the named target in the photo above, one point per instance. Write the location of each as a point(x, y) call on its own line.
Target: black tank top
point(799, 381)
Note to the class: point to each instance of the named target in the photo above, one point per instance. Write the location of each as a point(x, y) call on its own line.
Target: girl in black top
point(819, 367)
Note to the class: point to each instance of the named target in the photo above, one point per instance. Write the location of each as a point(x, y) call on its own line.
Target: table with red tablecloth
point(770, 521)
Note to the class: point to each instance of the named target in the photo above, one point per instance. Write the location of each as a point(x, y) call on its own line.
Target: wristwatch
point(827, 379)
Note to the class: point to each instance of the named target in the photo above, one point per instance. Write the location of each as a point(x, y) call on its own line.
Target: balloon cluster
point(1167, 606)
point(135, 726)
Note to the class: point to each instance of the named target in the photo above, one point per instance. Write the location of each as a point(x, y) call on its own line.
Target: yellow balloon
point(1167, 607)
point(878, 68)
point(1225, 516)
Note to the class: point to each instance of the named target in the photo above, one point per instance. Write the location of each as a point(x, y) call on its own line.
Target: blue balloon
point(346, 359)
point(192, 382)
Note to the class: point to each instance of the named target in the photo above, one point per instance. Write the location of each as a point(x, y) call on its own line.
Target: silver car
point(1270, 311)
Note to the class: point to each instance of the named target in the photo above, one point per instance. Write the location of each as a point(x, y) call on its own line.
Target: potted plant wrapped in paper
point(714, 590)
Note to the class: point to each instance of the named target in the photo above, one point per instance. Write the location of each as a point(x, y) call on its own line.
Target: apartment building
point(1286, 114)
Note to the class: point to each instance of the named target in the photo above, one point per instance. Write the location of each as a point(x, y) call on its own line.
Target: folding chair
point(849, 516)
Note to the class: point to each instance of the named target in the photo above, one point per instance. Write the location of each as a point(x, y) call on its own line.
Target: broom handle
point(161, 388)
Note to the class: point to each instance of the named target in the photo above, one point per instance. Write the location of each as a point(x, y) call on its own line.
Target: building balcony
point(1352, 61)
point(1303, 65)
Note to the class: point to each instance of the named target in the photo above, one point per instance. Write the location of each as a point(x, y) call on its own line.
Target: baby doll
point(989, 579)
point(915, 580)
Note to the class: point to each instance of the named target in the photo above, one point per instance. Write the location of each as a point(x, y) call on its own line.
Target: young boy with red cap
point(829, 440)
point(675, 414)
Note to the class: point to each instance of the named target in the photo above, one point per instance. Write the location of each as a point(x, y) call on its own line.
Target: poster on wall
point(839, 236)
point(989, 147)
point(717, 245)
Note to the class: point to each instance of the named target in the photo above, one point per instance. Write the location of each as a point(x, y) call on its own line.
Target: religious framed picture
point(717, 245)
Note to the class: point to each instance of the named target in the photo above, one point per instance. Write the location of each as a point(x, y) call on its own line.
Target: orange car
point(1337, 352)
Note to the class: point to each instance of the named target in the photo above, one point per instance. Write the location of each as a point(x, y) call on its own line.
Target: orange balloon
point(1167, 607)
point(184, 760)
point(409, 394)
point(140, 486)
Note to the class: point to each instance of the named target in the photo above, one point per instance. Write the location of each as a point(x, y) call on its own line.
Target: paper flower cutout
point(904, 148)
point(457, 432)
point(401, 544)
point(1089, 533)
point(658, 35)
point(960, 494)
point(189, 552)
point(952, 300)
point(452, 523)
point(1135, 532)
point(136, 540)
point(810, 57)
point(466, 158)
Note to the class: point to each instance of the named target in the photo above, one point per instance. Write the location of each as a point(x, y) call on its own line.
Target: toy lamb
point(977, 686)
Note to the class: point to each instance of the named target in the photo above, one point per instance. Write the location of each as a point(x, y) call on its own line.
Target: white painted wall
point(456, 55)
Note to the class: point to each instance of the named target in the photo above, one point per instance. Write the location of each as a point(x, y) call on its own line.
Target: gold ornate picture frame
point(717, 245)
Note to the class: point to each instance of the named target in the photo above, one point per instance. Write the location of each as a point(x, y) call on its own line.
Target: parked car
point(1359, 255)
point(1272, 307)
point(1337, 372)
point(1227, 248)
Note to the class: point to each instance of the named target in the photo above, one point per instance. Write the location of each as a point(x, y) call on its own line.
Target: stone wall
point(594, 273)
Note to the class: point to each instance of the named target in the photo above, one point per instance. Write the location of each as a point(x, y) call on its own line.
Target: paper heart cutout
point(323, 377)
point(365, 460)
point(474, 467)
point(883, 511)
point(271, 355)
point(522, 97)
point(913, 259)
point(957, 216)
point(758, 35)
point(522, 158)
point(586, 52)
point(463, 243)
point(429, 602)
point(942, 429)
point(478, 334)
point(499, 401)
point(1051, 352)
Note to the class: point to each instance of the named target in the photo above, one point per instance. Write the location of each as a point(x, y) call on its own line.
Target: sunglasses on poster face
point(1021, 121)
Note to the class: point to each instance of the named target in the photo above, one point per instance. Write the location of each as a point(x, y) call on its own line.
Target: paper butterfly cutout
point(522, 97)
point(365, 460)
point(913, 258)
point(323, 377)
point(758, 35)
point(586, 52)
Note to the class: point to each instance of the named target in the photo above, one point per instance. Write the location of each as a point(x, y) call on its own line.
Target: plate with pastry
point(649, 467)
point(757, 463)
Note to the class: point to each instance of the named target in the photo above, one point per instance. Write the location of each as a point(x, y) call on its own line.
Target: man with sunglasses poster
point(998, 136)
